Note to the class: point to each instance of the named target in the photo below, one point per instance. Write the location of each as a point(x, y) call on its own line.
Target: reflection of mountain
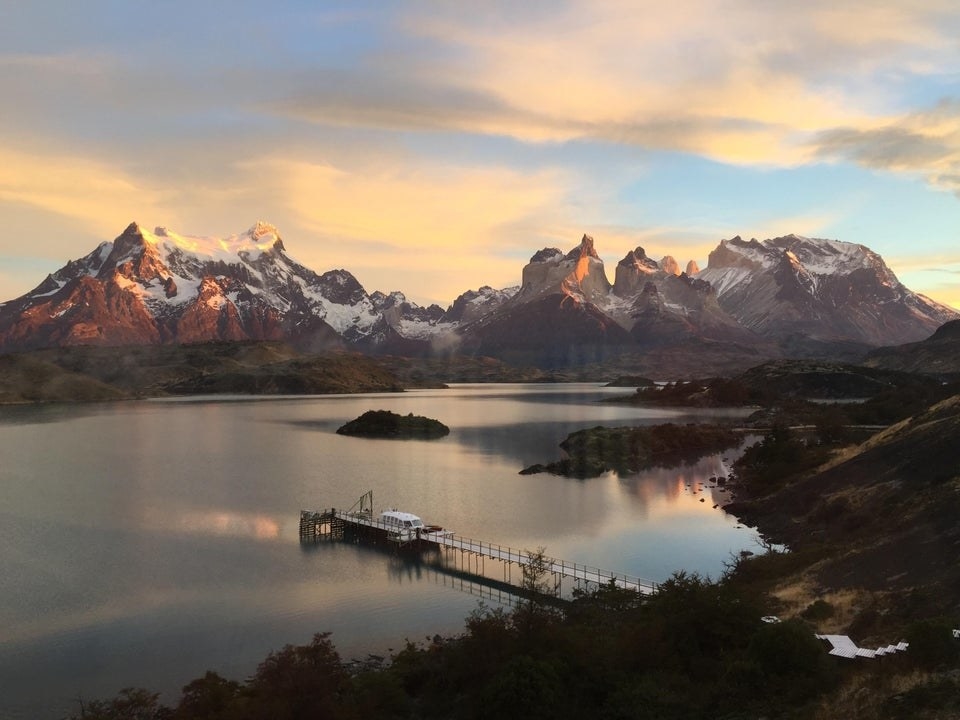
point(671, 483)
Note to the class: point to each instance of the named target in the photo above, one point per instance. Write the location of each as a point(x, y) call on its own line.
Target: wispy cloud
point(926, 143)
point(737, 82)
point(889, 148)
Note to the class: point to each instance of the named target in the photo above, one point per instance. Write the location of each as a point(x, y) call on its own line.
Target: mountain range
point(784, 297)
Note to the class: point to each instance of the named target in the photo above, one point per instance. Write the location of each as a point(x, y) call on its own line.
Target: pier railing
point(586, 573)
point(332, 522)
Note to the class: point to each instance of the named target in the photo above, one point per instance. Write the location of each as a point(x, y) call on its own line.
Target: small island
point(627, 450)
point(386, 424)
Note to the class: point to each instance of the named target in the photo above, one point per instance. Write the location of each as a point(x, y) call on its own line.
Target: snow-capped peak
point(258, 239)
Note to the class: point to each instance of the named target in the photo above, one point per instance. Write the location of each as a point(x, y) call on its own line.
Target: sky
point(434, 147)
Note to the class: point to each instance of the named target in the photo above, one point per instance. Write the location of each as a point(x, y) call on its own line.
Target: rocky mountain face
point(786, 296)
point(161, 287)
point(567, 312)
point(820, 290)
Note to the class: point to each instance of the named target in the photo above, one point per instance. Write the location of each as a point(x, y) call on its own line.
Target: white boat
point(406, 527)
point(401, 526)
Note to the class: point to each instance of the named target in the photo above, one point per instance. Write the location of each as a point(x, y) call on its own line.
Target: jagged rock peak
point(584, 249)
point(131, 240)
point(382, 300)
point(132, 229)
point(634, 256)
point(638, 259)
point(669, 265)
point(692, 267)
point(261, 228)
point(547, 255)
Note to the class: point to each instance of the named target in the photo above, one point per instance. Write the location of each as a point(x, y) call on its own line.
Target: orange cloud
point(435, 226)
point(98, 195)
point(414, 208)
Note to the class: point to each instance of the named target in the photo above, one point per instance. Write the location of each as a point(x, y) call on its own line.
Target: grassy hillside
point(79, 374)
point(27, 379)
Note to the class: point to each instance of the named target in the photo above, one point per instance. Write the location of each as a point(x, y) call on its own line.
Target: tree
point(536, 571)
point(207, 698)
point(130, 704)
point(299, 681)
point(792, 662)
point(524, 688)
point(533, 615)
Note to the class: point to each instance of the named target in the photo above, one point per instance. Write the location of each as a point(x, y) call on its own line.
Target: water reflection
point(142, 543)
point(483, 578)
point(225, 522)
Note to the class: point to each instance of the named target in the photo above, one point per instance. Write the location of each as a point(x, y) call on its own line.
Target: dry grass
point(796, 595)
point(847, 604)
point(867, 694)
point(848, 453)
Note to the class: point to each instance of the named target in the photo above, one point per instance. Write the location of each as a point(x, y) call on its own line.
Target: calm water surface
point(143, 543)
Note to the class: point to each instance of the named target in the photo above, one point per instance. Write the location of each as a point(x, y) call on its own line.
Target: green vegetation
point(386, 424)
point(819, 609)
point(696, 649)
point(781, 455)
point(784, 391)
point(709, 392)
point(628, 450)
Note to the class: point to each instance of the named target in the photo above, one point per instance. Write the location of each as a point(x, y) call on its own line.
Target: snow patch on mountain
point(343, 317)
point(826, 257)
point(725, 278)
point(814, 255)
point(257, 240)
point(164, 286)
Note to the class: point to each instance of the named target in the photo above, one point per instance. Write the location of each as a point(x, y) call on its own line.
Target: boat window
point(407, 523)
point(418, 523)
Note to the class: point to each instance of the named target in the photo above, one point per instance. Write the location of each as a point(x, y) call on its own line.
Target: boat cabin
point(397, 519)
point(402, 526)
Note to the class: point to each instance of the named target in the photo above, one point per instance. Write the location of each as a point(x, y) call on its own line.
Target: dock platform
point(333, 523)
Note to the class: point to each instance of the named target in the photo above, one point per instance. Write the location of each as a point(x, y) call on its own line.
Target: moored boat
point(401, 526)
point(406, 527)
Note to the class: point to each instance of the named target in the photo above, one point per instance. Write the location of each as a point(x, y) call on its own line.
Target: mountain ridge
point(787, 296)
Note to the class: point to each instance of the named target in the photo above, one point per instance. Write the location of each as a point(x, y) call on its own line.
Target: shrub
point(819, 609)
point(932, 643)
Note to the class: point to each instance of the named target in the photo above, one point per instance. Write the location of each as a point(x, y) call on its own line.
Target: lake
point(142, 543)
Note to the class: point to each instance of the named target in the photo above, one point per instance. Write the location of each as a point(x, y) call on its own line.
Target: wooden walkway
point(333, 522)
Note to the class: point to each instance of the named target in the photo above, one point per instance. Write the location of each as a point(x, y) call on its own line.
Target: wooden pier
point(360, 521)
